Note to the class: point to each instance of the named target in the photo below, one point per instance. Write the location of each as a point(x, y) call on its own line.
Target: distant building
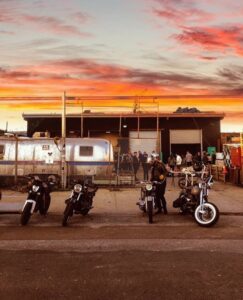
point(163, 132)
point(230, 137)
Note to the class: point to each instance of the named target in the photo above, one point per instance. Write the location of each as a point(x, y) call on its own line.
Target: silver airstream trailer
point(42, 156)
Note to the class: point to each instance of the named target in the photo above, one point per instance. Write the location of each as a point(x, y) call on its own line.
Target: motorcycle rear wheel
point(26, 213)
point(206, 215)
point(68, 212)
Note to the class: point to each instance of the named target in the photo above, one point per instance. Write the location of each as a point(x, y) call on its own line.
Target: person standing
point(140, 157)
point(145, 165)
point(158, 173)
point(135, 163)
point(172, 162)
point(178, 162)
point(213, 159)
point(188, 159)
point(205, 158)
point(198, 158)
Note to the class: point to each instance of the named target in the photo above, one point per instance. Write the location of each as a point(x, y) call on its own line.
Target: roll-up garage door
point(184, 136)
point(144, 141)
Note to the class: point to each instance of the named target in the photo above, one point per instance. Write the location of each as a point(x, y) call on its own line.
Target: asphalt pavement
point(113, 253)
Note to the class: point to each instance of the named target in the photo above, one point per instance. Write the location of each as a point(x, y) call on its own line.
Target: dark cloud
point(234, 73)
point(208, 57)
point(92, 72)
point(80, 69)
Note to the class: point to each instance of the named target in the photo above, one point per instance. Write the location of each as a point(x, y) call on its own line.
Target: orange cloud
point(221, 39)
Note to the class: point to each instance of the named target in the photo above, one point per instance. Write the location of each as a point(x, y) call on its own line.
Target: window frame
point(89, 149)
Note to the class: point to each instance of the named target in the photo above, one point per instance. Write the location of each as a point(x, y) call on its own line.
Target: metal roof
point(129, 115)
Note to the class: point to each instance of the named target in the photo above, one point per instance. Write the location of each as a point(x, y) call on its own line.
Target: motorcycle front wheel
point(26, 213)
point(150, 211)
point(45, 204)
point(68, 212)
point(206, 214)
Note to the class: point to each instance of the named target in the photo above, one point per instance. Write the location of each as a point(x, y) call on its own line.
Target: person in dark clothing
point(197, 157)
point(140, 157)
point(172, 161)
point(145, 165)
point(205, 158)
point(158, 173)
point(135, 163)
point(213, 160)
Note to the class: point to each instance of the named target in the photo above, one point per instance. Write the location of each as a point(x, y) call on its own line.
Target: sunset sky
point(189, 51)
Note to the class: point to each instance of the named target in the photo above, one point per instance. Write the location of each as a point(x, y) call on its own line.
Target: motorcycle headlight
point(35, 188)
point(77, 188)
point(148, 186)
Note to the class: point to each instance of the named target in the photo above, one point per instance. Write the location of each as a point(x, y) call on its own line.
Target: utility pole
point(16, 159)
point(82, 121)
point(63, 144)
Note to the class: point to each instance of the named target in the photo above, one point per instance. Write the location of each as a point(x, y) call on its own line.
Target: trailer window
point(86, 151)
point(45, 147)
point(1, 151)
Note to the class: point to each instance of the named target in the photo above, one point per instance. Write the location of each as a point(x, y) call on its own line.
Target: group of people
point(159, 170)
point(132, 161)
point(176, 161)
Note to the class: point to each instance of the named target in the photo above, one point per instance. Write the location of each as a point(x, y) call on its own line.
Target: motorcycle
point(194, 200)
point(80, 201)
point(147, 198)
point(38, 198)
point(190, 176)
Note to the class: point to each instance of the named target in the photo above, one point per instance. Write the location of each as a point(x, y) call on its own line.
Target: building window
point(45, 147)
point(1, 151)
point(86, 151)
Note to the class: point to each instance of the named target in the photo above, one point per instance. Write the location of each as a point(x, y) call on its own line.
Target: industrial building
point(139, 131)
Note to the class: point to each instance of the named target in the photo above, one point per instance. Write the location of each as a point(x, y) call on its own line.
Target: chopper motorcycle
point(38, 198)
point(147, 200)
point(80, 201)
point(194, 200)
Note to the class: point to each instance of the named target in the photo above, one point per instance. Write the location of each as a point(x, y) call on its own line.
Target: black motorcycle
point(38, 198)
point(80, 200)
point(194, 200)
point(147, 200)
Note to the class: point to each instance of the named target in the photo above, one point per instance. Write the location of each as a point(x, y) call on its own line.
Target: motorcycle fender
point(150, 198)
point(33, 204)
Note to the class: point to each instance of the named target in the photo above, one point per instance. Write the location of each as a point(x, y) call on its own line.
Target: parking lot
point(114, 253)
point(118, 205)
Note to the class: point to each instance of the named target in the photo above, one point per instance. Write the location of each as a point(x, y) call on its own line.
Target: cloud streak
point(54, 25)
point(90, 76)
point(44, 23)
